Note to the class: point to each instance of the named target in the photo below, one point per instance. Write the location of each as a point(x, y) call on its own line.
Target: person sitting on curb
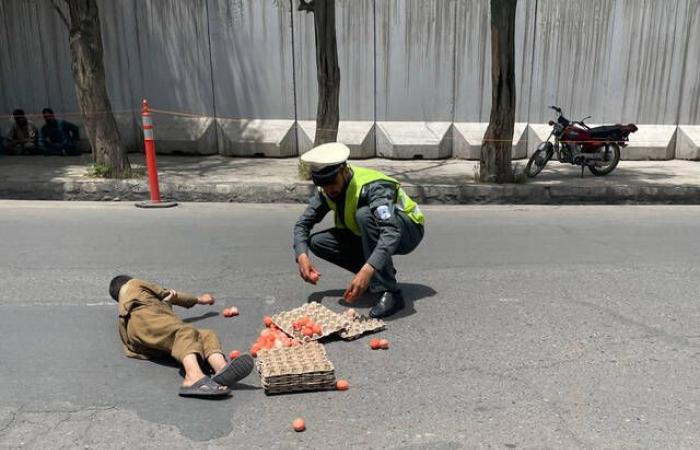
point(149, 329)
point(58, 137)
point(21, 139)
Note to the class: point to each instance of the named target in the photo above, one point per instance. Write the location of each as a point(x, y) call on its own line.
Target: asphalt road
point(560, 327)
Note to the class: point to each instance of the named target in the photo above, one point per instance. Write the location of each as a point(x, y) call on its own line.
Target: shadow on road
point(200, 317)
point(412, 292)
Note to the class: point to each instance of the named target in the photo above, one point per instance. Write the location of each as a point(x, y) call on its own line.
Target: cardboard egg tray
point(360, 325)
point(329, 321)
point(295, 369)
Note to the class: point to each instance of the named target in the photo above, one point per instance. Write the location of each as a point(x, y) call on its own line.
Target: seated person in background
point(58, 137)
point(21, 139)
point(149, 328)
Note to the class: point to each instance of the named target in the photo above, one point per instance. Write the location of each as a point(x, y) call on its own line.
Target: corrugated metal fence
point(241, 76)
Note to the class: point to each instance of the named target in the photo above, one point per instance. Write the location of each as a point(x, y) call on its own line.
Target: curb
point(260, 192)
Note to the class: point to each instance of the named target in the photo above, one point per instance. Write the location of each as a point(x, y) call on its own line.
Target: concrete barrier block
point(651, 142)
point(536, 134)
point(358, 135)
point(468, 138)
point(414, 140)
point(688, 142)
point(271, 138)
point(183, 135)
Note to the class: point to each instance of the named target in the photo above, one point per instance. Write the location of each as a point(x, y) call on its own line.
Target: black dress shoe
point(389, 304)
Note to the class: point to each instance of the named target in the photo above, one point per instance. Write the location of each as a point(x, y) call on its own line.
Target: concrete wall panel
point(415, 59)
point(34, 58)
point(251, 44)
point(689, 113)
point(234, 60)
point(355, 39)
point(473, 59)
point(616, 60)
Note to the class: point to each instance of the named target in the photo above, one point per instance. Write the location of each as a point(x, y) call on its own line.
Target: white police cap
point(326, 155)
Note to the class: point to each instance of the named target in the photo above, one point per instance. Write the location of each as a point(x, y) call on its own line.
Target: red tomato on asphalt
point(298, 424)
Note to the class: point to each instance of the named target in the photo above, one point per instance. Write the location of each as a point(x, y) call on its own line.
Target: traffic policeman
point(374, 220)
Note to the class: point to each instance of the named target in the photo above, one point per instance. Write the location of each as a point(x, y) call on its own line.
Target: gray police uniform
point(382, 234)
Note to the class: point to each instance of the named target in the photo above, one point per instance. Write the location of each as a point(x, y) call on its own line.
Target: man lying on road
point(149, 328)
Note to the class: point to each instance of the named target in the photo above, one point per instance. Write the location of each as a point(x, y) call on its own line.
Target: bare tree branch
point(306, 5)
point(60, 13)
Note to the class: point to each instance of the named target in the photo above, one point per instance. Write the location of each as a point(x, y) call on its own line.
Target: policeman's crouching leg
point(384, 280)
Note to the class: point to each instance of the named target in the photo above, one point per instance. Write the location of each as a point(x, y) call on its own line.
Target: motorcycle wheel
point(600, 171)
point(537, 161)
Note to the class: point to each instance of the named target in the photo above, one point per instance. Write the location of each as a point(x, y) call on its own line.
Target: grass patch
point(303, 171)
point(103, 171)
point(98, 171)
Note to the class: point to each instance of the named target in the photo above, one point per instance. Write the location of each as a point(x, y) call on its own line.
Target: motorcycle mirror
point(586, 118)
point(550, 123)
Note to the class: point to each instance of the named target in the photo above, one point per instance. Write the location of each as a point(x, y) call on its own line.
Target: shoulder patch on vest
point(382, 212)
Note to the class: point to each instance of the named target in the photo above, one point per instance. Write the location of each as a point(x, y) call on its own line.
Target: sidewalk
point(266, 180)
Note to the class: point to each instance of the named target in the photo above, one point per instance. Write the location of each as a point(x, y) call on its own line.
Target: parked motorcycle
point(578, 144)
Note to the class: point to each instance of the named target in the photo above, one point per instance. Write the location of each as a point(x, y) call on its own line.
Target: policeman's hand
point(206, 299)
point(307, 271)
point(359, 283)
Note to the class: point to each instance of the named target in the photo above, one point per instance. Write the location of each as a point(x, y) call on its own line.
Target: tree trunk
point(328, 72)
point(495, 164)
point(89, 76)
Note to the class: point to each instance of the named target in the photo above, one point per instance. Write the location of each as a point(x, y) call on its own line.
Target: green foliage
point(98, 171)
point(105, 171)
point(303, 171)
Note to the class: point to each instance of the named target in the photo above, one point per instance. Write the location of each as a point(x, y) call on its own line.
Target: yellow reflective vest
point(360, 178)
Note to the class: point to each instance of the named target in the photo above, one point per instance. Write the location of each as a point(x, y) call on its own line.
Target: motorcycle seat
point(612, 132)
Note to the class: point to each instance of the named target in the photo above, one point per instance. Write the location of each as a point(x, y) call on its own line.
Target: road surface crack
point(11, 422)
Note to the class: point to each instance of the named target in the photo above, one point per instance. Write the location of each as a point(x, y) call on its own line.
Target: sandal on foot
point(205, 387)
point(235, 370)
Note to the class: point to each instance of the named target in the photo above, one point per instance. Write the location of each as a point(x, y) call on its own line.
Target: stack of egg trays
point(295, 369)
